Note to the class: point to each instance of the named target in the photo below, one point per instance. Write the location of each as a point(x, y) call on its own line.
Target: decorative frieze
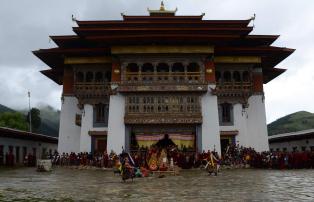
point(163, 119)
point(157, 49)
point(162, 88)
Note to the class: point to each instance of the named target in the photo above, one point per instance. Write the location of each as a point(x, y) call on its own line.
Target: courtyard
point(64, 184)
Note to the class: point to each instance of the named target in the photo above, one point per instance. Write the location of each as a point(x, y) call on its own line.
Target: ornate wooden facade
point(163, 69)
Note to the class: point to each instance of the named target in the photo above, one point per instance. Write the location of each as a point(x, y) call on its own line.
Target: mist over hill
point(49, 118)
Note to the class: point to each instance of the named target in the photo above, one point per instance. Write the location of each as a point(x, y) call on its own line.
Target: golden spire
point(162, 11)
point(162, 6)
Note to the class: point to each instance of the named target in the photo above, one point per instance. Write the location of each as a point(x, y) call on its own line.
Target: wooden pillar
point(257, 80)
point(68, 81)
point(210, 72)
point(116, 72)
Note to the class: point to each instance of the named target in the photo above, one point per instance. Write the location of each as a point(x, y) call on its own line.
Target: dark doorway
point(17, 154)
point(1, 155)
point(224, 143)
point(99, 144)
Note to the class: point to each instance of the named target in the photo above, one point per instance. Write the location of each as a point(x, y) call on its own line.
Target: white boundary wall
point(256, 124)
point(116, 127)
point(210, 126)
point(69, 133)
point(29, 144)
point(251, 124)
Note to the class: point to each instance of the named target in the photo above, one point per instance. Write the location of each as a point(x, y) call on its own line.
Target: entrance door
point(101, 145)
point(224, 143)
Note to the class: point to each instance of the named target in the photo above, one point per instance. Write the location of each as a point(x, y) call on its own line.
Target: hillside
point(49, 119)
point(5, 109)
point(301, 120)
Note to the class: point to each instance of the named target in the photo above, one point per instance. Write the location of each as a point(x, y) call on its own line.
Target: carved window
point(227, 76)
point(193, 70)
point(148, 104)
point(89, 76)
point(99, 77)
point(101, 114)
point(132, 72)
point(79, 77)
point(246, 76)
point(236, 76)
point(218, 76)
point(108, 76)
point(147, 72)
point(178, 72)
point(226, 114)
point(193, 67)
point(162, 71)
point(163, 104)
point(133, 104)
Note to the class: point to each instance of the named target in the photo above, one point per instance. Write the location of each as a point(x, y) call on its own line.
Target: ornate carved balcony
point(240, 91)
point(92, 92)
point(172, 109)
point(163, 81)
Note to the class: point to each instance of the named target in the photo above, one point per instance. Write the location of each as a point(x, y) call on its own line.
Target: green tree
point(14, 120)
point(36, 120)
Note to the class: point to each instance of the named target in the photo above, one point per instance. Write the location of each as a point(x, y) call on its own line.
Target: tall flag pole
point(30, 114)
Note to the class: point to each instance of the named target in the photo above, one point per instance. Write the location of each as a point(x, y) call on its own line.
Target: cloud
point(26, 25)
point(18, 82)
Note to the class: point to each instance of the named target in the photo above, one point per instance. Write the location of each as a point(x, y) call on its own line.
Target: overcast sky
point(26, 24)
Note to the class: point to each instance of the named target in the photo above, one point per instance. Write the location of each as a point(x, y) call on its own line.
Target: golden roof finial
point(162, 11)
point(162, 6)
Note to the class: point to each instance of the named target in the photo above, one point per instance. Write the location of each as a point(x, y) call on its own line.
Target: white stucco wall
point(256, 124)
point(69, 132)
point(86, 126)
point(116, 127)
point(239, 124)
point(210, 125)
point(307, 143)
point(29, 144)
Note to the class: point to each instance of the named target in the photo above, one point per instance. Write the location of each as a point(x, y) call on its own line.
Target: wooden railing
point(234, 86)
point(91, 90)
point(163, 77)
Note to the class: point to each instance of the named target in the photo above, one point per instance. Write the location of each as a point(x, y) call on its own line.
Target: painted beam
point(237, 59)
point(160, 49)
point(87, 60)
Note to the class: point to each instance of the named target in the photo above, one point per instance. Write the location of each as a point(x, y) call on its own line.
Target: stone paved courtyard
point(63, 184)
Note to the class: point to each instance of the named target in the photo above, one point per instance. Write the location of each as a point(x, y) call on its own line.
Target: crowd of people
point(241, 156)
point(9, 159)
point(235, 156)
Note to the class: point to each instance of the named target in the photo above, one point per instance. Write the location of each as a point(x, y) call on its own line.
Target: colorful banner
point(181, 140)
